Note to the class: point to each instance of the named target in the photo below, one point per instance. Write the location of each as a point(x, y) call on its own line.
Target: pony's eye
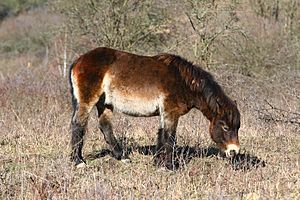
point(225, 128)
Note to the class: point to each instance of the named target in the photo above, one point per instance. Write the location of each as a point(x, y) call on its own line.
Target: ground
point(35, 135)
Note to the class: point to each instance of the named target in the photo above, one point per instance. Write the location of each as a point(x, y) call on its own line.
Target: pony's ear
point(235, 102)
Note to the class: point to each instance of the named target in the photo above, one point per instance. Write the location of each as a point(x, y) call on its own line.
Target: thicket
point(251, 35)
point(132, 25)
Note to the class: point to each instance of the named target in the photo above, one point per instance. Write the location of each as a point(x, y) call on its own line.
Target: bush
point(120, 24)
point(254, 37)
point(251, 36)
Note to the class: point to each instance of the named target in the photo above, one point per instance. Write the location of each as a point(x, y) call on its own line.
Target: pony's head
point(224, 131)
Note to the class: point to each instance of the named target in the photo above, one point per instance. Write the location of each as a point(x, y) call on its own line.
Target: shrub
point(251, 36)
point(120, 24)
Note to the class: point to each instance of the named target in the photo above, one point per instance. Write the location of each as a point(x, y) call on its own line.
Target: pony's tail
point(74, 100)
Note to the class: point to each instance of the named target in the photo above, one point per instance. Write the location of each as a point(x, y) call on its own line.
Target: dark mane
point(199, 80)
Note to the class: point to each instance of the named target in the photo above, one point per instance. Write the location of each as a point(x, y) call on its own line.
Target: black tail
point(74, 101)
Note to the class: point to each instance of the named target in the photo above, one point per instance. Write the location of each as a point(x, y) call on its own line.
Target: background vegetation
point(252, 47)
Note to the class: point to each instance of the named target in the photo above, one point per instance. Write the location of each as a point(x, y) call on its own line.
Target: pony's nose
point(232, 153)
point(232, 150)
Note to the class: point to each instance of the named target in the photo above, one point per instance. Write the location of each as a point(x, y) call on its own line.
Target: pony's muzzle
point(232, 150)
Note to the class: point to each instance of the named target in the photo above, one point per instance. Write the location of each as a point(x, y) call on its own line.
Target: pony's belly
point(134, 105)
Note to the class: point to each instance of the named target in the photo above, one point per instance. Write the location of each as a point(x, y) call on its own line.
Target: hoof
point(117, 155)
point(163, 169)
point(126, 160)
point(81, 165)
point(158, 161)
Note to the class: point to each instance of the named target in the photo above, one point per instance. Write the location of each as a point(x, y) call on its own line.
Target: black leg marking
point(160, 150)
point(166, 145)
point(166, 150)
point(171, 160)
point(107, 130)
point(161, 140)
point(79, 123)
point(78, 133)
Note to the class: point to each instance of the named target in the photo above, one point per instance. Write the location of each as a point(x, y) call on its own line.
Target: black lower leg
point(107, 130)
point(77, 143)
point(171, 160)
point(160, 150)
point(117, 151)
point(161, 140)
point(165, 150)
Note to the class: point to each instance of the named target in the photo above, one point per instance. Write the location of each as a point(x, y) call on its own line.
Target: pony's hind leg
point(105, 126)
point(79, 123)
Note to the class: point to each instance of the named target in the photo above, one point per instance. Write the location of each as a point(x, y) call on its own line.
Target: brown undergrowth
point(35, 133)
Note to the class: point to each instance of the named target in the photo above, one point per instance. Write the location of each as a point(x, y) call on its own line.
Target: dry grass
point(34, 120)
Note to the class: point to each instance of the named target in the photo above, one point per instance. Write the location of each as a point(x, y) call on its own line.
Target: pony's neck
point(213, 106)
point(204, 107)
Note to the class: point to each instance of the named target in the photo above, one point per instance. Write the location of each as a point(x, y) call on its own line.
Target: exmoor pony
point(164, 85)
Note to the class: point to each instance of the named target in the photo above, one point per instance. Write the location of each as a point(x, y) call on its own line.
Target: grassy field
point(35, 113)
point(35, 133)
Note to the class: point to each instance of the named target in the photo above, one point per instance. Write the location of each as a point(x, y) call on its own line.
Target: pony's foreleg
point(107, 130)
point(166, 143)
point(79, 123)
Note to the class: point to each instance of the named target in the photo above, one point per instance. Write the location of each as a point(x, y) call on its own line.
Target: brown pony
point(164, 85)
